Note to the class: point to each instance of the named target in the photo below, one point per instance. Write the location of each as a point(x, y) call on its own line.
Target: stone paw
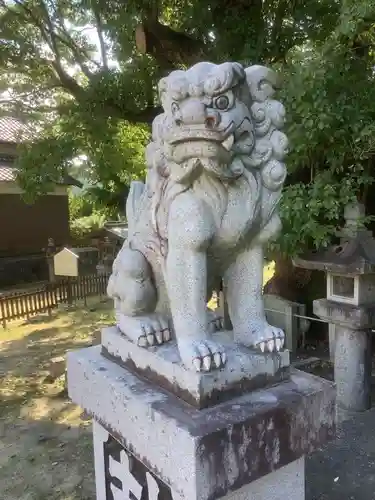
point(201, 355)
point(267, 338)
point(145, 331)
point(215, 322)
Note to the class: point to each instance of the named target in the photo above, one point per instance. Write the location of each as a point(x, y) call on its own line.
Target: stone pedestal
point(245, 370)
point(352, 358)
point(119, 472)
point(179, 437)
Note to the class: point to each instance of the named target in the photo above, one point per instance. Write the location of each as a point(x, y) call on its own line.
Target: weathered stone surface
point(353, 365)
point(351, 316)
point(349, 309)
point(204, 454)
point(214, 180)
point(351, 341)
point(355, 253)
point(118, 471)
point(245, 369)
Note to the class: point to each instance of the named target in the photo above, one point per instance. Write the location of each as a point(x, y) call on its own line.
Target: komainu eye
point(175, 108)
point(222, 102)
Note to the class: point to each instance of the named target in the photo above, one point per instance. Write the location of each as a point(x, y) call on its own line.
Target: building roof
point(8, 173)
point(13, 131)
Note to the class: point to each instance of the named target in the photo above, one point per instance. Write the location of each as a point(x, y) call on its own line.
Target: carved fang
point(228, 143)
point(197, 364)
point(271, 345)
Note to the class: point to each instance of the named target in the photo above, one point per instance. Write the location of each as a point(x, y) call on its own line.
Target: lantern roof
point(355, 253)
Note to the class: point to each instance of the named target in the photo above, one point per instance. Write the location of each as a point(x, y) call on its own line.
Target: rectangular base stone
point(245, 370)
point(209, 453)
point(118, 472)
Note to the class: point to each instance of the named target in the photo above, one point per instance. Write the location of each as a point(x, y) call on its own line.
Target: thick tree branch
point(77, 52)
point(50, 39)
point(145, 115)
point(69, 84)
point(99, 30)
point(169, 48)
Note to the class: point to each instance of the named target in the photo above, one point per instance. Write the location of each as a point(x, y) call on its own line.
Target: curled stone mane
point(254, 87)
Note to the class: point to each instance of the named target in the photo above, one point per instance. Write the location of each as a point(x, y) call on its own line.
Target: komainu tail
point(133, 205)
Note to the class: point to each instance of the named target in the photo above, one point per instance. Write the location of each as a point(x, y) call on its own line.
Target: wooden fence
point(18, 305)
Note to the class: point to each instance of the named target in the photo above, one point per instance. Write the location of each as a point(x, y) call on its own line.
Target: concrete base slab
point(209, 453)
point(245, 369)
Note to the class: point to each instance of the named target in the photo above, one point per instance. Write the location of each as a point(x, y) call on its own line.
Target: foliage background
point(83, 74)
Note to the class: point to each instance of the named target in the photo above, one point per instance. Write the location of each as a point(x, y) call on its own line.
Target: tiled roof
point(13, 130)
point(8, 174)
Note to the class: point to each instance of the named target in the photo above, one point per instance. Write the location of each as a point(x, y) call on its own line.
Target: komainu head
point(219, 119)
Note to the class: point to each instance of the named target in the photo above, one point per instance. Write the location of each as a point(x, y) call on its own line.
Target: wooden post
point(69, 291)
point(85, 291)
point(51, 269)
point(3, 314)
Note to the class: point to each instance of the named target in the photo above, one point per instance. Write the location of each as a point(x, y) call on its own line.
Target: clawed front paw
point(145, 331)
point(201, 354)
point(266, 337)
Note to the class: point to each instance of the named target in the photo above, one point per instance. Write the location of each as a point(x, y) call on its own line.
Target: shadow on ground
point(46, 458)
point(45, 445)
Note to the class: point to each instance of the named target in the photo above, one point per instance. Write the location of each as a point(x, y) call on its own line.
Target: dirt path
point(45, 443)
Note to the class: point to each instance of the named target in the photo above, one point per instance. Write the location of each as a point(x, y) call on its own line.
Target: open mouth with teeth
point(215, 147)
point(202, 147)
point(238, 140)
point(199, 135)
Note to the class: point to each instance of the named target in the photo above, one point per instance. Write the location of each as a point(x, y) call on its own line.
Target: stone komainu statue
point(215, 174)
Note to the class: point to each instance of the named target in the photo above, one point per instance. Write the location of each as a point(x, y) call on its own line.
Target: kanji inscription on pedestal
point(119, 475)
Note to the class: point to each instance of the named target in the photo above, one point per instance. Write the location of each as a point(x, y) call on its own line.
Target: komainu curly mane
point(214, 180)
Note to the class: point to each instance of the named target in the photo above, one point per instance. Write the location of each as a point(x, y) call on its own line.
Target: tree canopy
point(85, 72)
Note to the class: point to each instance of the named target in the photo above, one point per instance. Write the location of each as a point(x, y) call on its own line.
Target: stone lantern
point(349, 307)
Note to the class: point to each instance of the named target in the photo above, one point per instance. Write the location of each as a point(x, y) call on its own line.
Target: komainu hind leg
point(134, 294)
